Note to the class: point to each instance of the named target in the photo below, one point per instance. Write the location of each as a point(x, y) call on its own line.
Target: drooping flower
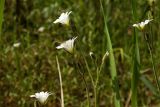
point(67, 45)
point(16, 45)
point(41, 96)
point(63, 19)
point(91, 53)
point(141, 25)
point(105, 55)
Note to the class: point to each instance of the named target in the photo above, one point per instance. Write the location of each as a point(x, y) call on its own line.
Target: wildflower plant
point(141, 26)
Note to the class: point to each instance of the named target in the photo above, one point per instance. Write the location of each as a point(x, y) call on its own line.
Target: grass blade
point(112, 63)
point(1, 17)
point(136, 60)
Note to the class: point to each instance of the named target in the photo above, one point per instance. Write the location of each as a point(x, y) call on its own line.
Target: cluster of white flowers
point(69, 47)
point(69, 44)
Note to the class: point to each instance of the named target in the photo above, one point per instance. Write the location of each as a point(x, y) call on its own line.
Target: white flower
point(41, 29)
point(67, 45)
point(16, 45)
point(63, 19)
point(141, 25)
point(41, 96)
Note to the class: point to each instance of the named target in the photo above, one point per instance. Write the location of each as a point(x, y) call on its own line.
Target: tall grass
point(1, 17)
point(113, 71)
point(136, 60)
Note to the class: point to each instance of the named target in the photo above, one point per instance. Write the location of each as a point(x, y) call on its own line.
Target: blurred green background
point(32, 67)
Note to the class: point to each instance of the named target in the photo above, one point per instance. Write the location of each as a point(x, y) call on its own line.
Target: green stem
point(35, 103)
point(96, 83)
point(93, 83)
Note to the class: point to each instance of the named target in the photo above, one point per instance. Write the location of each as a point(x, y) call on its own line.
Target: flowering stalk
point(35, 103)
point(60, 79)
point(94, 83)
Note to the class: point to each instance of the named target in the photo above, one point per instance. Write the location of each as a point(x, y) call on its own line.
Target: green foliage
point(32, 66)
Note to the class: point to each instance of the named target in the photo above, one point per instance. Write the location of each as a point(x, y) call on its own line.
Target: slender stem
point(35, 103)
point(93, 83)
point(61, 84)
point(152, 61)
point(90, 75)
point(96, 84)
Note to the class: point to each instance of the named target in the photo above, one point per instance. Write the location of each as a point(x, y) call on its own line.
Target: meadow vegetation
point(111, 62)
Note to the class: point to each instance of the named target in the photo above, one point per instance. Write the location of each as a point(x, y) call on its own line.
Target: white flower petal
point(32, 95)
point(147, 21)
point(56, 21)
point(59, 47)
point(69, 12)
point(135, 25)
